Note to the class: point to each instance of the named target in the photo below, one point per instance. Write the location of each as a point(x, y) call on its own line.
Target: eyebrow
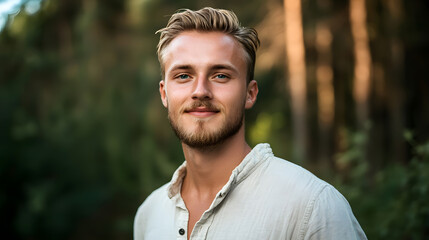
point(212, 67)
point(181, 67)
point(223, 66)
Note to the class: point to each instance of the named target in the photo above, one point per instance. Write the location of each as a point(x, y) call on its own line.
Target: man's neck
point(208, 170)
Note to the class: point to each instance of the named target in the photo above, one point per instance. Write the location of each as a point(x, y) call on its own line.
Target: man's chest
point(229, 220)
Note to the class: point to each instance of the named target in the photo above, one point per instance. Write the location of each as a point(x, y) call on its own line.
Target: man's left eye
point(222, 76)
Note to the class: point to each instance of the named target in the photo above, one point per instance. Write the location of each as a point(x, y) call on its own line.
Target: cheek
point(175, 97)
point(233, 100)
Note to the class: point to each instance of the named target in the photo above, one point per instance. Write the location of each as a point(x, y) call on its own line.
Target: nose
point(202, 89)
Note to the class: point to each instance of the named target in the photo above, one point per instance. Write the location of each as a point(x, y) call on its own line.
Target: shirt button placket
point(182, 220)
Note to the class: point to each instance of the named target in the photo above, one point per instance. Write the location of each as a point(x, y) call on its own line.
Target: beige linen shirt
point(265, 198)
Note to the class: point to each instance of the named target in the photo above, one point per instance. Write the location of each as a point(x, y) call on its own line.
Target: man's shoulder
point(156, 197)
point(278, 172)
point(302, 198)
point(155, 211)
point(151, 205)
point(293, 184)
point(284, 172)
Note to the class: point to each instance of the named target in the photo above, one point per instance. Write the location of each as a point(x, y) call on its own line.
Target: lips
point(202, 111)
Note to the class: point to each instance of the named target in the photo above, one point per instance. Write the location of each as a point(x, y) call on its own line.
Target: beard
point(203, 137)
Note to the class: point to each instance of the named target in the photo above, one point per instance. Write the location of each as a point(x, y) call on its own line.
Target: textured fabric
point(265, 198)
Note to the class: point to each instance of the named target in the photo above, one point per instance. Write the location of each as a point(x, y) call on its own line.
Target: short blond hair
point(210, 20)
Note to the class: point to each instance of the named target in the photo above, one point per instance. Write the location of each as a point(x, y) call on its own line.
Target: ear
point(162, 89)
point(252, 93)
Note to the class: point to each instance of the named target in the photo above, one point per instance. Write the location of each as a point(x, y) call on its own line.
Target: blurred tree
point(362, 54)
point(295, 55)
point(325, 90)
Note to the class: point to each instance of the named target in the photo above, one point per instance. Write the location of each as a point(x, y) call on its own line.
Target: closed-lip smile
point(201, 111)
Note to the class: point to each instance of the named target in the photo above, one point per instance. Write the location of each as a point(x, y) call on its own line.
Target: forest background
point(84, 137)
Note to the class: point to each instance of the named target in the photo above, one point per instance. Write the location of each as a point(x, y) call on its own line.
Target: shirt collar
point(259, 154)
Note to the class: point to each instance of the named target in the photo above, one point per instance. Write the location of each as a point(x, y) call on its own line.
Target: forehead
point(201, 49)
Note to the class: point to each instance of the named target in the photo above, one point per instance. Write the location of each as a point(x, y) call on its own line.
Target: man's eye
point(183, 76)
point(221, 76)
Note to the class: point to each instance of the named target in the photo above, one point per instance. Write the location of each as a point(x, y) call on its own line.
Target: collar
point(259, 154)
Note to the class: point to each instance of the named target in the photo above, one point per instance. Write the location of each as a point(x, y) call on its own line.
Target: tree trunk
point(362, 69)
point(295, 55)
point(325, 90)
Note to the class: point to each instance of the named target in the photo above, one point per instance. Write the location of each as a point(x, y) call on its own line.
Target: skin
point(207, 67)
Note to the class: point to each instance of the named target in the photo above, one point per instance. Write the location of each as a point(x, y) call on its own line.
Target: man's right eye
point(183, 76)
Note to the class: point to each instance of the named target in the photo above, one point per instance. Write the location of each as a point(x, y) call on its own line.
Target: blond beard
point(202, 137)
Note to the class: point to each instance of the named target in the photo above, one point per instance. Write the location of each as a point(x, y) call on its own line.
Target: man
point(225, 189)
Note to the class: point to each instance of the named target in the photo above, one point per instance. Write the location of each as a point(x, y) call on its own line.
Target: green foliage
point(391, 203)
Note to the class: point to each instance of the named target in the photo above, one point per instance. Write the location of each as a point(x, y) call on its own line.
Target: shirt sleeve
point(332, 218)
point(139, 224)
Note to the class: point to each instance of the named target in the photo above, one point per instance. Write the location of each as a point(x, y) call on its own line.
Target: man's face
point(205, 87)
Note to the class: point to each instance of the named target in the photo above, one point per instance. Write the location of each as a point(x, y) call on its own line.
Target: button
point(181, 231)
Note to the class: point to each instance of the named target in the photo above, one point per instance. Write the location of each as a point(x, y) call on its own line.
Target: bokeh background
point(84, 137)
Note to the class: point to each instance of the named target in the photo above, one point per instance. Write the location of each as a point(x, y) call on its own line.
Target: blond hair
point(210, 20)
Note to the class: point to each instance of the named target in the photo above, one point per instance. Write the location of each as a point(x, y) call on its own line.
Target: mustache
point(197, 104)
